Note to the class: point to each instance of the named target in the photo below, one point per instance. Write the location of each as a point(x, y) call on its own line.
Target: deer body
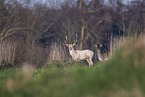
point(80, 54)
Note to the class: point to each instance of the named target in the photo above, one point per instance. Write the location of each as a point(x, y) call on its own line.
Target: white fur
point(81, 54)
point(99, 55)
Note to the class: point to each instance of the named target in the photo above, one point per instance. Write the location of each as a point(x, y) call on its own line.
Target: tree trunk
point(82, 34)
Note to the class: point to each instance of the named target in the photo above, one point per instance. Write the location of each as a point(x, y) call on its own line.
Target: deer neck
point(99, 55)
point(72, 51)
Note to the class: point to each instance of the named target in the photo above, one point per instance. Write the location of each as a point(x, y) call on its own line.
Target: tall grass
point(7, 53)
point(117, 42)
point(57, 51)
point(35, 55)
point(57, 55)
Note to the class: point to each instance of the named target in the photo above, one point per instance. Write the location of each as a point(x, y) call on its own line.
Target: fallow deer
point(101, 56)
point(78, 55)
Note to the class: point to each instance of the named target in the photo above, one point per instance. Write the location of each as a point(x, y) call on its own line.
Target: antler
point(65, 41)
point(73, 43)
point(76, 40)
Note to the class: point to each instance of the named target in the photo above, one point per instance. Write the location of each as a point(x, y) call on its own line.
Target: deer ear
point(101, 45)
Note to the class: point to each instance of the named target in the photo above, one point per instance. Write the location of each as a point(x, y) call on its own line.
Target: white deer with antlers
point(101, 56)
point(80, 54)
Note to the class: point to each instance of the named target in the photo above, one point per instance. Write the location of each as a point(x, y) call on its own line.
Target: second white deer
point(101, 56)
point(80, 54)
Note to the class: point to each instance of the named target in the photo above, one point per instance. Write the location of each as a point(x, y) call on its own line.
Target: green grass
point(8, 72)
point(122, 76)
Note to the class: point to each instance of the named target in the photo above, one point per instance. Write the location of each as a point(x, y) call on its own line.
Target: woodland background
point(34, 32)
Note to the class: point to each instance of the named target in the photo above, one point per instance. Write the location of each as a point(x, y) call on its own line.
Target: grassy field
point(121, 76)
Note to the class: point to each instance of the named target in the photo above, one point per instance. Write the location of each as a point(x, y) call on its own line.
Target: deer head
point(98, 46)
point(101, 56)
point(70, 45)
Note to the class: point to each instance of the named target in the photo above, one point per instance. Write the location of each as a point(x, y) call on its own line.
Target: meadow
point(36, 62)
point(121, 76)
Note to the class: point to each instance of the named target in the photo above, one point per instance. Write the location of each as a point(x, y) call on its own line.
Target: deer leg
point(91, 62)
point(88, 62)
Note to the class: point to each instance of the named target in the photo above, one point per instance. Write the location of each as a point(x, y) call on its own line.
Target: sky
point(124, 1)
point(56, 3)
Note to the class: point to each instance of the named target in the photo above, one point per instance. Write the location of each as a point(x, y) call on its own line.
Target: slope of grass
point(122, 76)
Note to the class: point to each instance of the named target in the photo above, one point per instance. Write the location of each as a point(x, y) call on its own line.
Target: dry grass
point(7, 53)
point(116, 43)
point(57, 52)
point(35, 55)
